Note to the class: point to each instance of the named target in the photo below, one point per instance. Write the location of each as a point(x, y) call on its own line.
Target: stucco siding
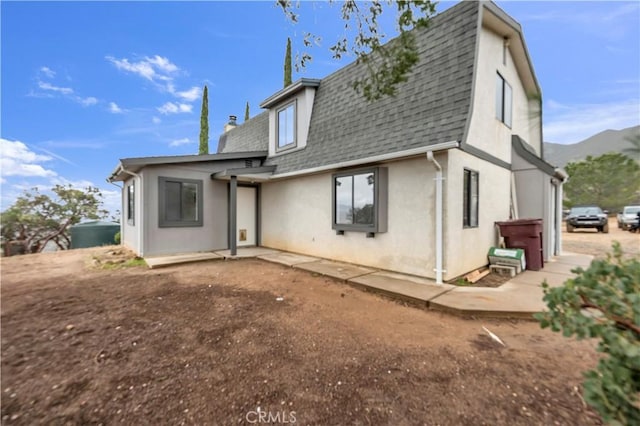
point(212, 235)
point(536, 199)
point(296, 216)
point(466, 248)
point(487, 132)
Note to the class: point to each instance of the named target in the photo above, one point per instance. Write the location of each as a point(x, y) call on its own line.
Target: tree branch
point(621, 322)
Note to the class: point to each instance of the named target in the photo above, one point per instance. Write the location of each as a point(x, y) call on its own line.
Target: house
point(412, 183)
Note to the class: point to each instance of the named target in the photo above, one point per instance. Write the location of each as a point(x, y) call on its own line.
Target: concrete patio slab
point(159, 261)
point(288, 259)
point(411, 289)
point(536, 278)
point(509, 301)
point(342, 271)
point(562, 267)
point(574, 259)
point(243, 252)
point(520, 297)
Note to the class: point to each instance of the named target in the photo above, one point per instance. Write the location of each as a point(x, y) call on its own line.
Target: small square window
point(287, 126)
point(180, 202)
point(470, 199)
point(504, 99)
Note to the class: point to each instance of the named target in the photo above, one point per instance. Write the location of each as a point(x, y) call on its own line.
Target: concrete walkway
point(519, 297)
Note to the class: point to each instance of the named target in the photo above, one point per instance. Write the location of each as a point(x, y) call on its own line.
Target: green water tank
point(93, 234)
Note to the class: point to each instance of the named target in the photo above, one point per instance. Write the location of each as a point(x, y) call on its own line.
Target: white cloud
point(567, 124)
point(48, 86)
point(171, 108)
point(152, 69)
point(180, 142)
point(189, 95)
point(18, 160)
point(48, 72)
point(162, 63)
point(161, 72)
point(114, 108)
point(156, 120)
point(50, 90)
point(143, 69)
point(22, 164)
point(87, 101)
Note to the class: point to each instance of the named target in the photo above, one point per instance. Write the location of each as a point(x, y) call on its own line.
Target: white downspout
point(439, 243)
point(563, 177)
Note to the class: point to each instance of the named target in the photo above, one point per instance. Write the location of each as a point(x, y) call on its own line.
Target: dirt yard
point(590, 241)
point(242, 342)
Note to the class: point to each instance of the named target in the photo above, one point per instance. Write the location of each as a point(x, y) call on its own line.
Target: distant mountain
point(601, 143)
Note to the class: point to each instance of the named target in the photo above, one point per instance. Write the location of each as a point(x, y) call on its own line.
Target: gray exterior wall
point(212, 235)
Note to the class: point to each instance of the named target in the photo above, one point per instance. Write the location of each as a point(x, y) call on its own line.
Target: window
point(470, 199)
point(131, 204)
point(360, 200)
point(180, 202)
point(287, 126)
point(503, 100)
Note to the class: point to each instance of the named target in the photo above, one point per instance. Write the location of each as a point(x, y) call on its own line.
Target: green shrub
point(603, 302)
point(116, 238)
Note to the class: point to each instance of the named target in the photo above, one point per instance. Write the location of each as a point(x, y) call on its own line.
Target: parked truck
point(628, 216)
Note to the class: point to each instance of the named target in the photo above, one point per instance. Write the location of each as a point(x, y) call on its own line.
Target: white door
point(246, 218)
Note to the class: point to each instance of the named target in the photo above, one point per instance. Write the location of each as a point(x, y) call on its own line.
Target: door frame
point(233, 212)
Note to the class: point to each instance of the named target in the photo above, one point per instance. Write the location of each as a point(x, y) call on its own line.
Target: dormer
point(289, 116)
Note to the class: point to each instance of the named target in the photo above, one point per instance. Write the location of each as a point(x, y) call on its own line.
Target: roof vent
point(231, 124)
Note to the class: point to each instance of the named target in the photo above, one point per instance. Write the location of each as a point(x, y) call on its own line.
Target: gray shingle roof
point(430, 108)
point(252, 135)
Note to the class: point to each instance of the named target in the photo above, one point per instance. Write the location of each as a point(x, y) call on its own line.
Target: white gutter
point(137, 217)
point(439, 240)
point(376, 158)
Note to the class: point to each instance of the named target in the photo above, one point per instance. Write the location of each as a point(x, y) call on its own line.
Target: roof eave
point(136, 164)
point(289, 90)
point(509, 28)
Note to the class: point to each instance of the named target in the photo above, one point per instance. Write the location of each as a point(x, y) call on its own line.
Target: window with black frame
point(180, 202)
point(131, 204)
point(504, 99)
point(359, 200)
point(470, 199)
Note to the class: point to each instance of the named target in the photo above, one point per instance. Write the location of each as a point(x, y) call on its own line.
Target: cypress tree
point(246, 112)
point(287, 64)
point(204, 124)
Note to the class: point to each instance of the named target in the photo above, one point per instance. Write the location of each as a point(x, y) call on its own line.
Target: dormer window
point(290, 112)
point(287, 126)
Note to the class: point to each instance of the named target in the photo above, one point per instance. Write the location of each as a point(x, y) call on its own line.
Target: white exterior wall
point(296, 216)
point(487, 132)
point(212, 235)
point(466, 249)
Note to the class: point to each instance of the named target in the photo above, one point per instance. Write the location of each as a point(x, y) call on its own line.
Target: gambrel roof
point(432, 107)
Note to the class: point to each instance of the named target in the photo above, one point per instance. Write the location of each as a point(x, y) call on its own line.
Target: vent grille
point(248, 163)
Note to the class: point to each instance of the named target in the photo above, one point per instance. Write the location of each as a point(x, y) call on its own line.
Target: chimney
point(231, 124)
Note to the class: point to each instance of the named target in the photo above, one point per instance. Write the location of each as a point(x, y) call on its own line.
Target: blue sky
point(84, 84)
